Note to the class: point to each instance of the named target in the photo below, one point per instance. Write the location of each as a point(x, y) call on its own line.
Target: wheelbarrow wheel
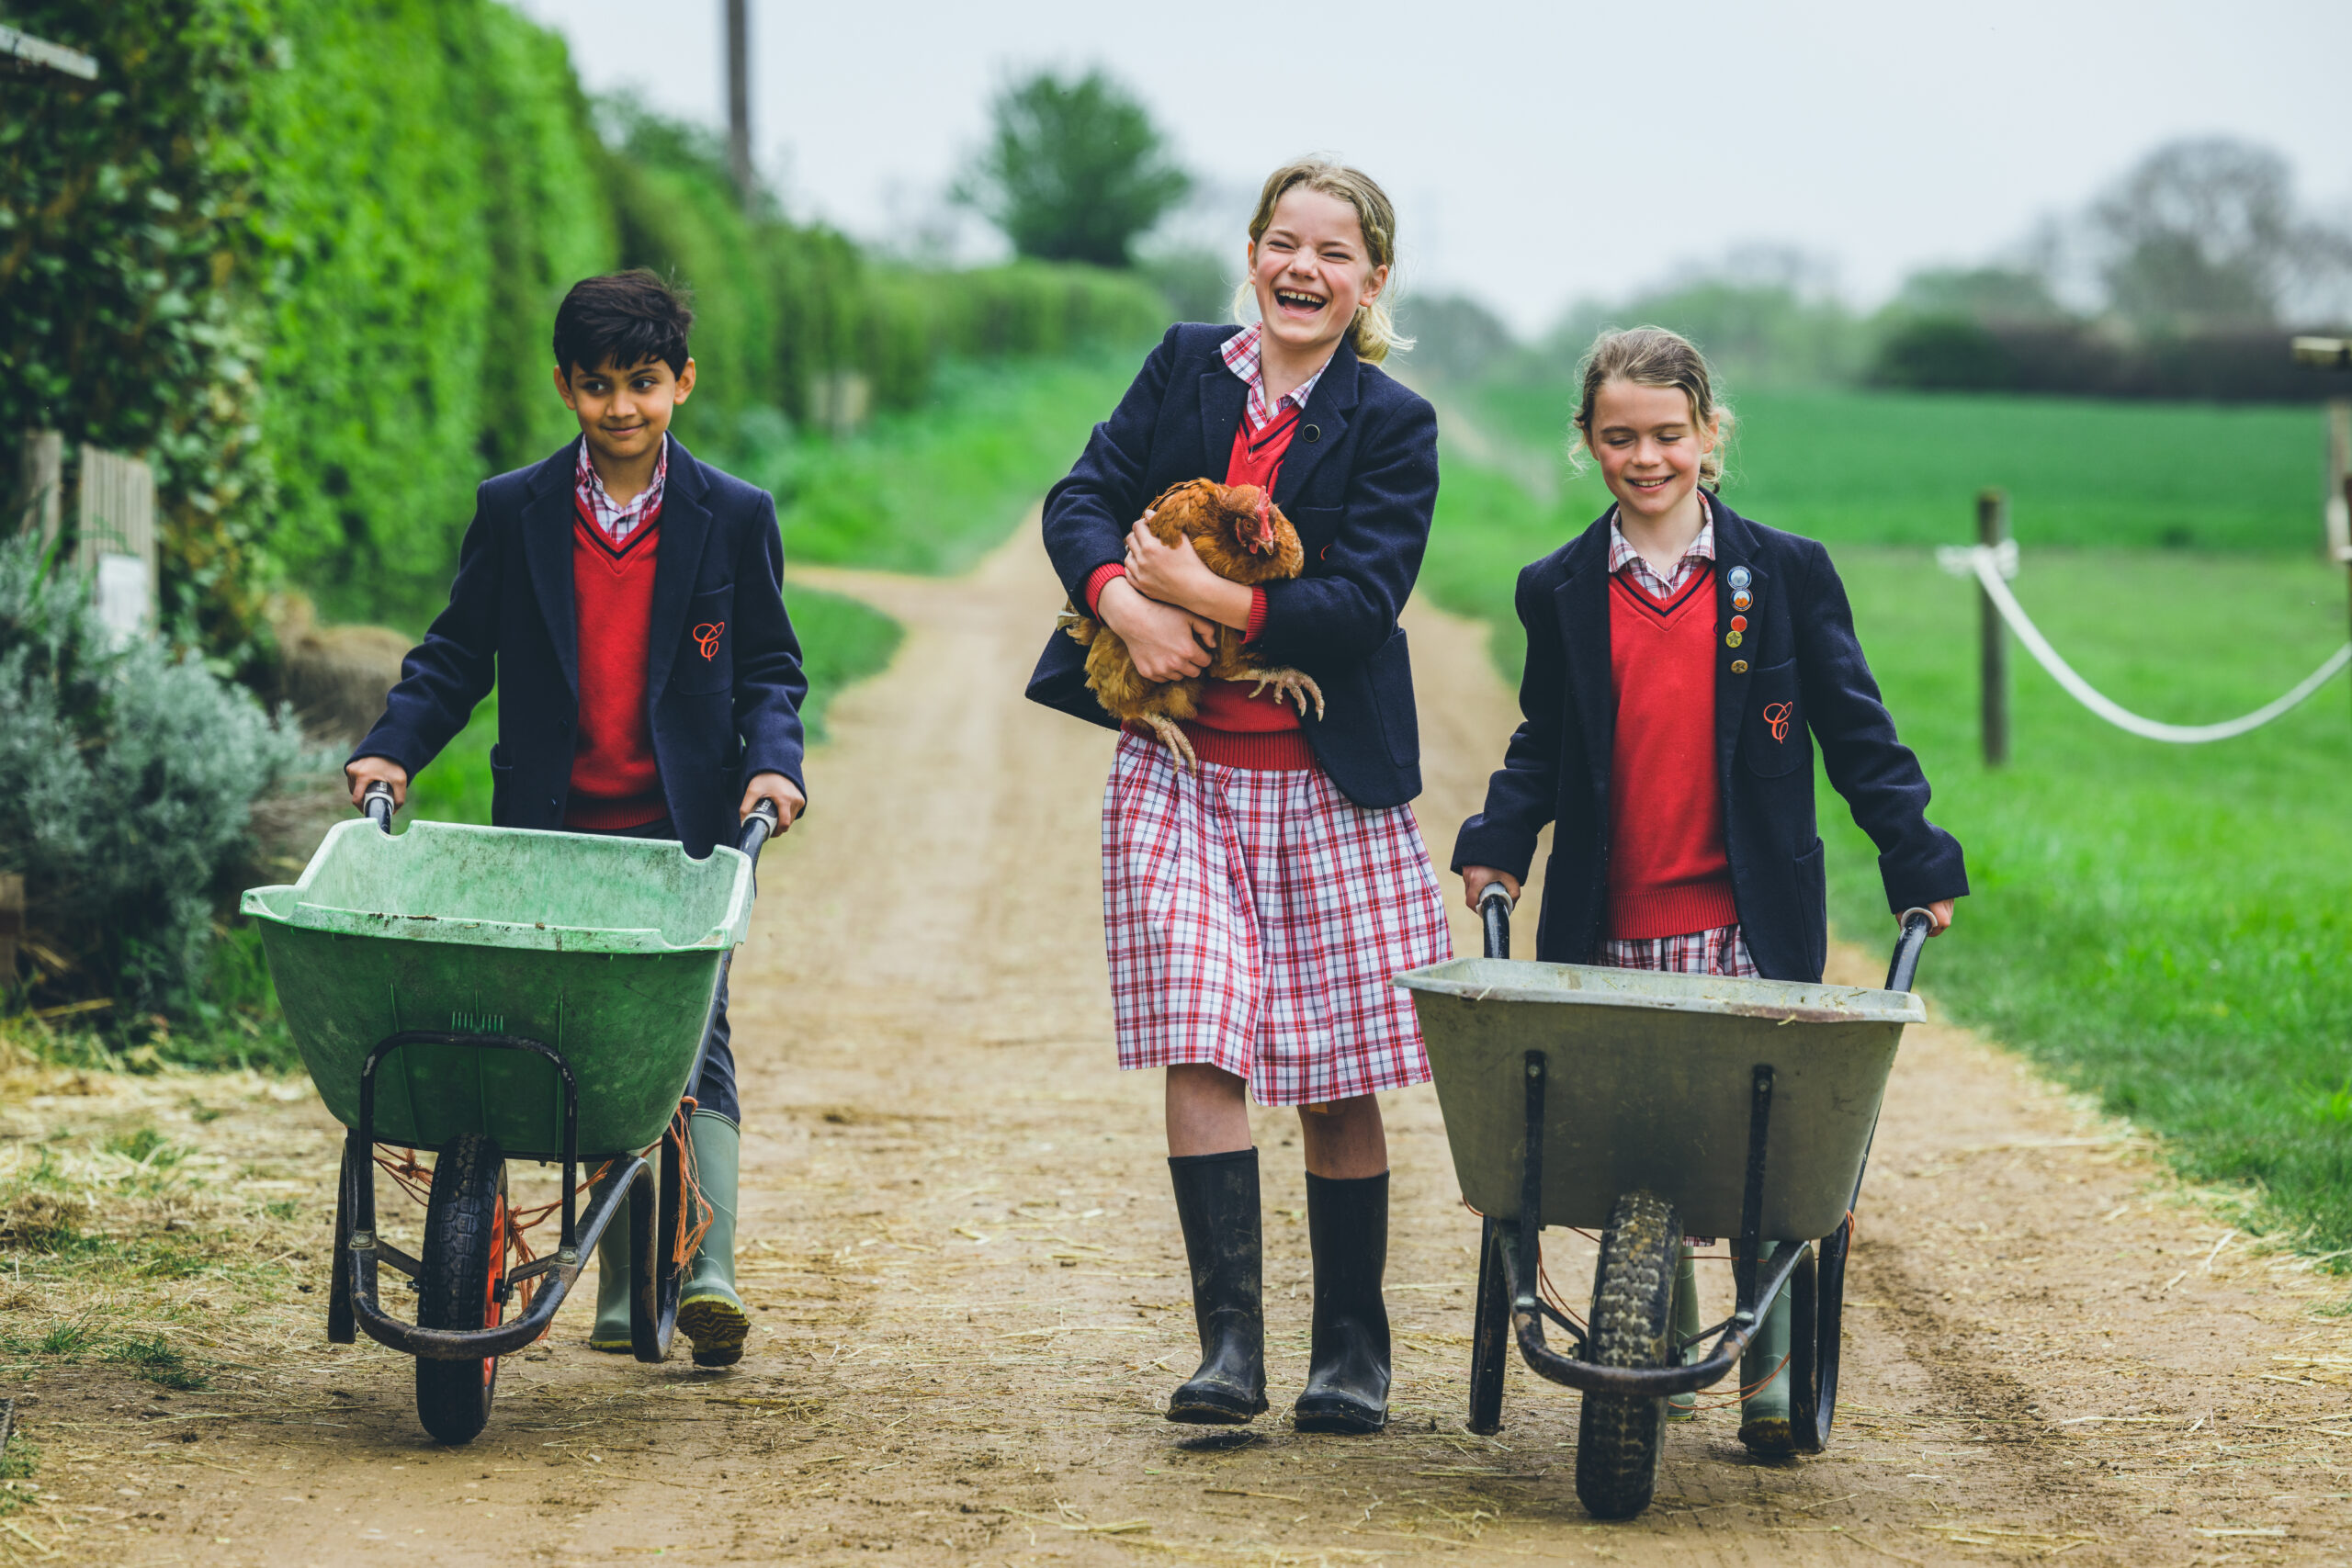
point(465, 1267)
point(1619, 1436)
point(1491, 1335)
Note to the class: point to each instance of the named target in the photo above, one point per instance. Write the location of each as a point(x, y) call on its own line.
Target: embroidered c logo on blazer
point(1775, 714)
point(706, 637)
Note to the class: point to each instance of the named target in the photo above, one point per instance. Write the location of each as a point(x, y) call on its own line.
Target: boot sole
point(613, 1347)
point(717, 1329)
point(1349, 1420)
point(1197, 1410)
point(1768, 1438)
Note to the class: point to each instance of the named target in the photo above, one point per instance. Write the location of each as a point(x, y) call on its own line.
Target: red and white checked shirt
point(1244, 358)
point(615, 521)
point(1645, 578)
point(1722, 950)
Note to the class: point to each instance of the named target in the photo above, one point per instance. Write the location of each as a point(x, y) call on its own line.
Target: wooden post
point(12, 924)
point(1993, 667)
point(40, 482)
point(738, 97)
point(117, 540)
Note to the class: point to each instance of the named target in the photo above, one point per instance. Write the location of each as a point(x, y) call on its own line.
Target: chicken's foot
point(1295, 684)
point(1172, 735)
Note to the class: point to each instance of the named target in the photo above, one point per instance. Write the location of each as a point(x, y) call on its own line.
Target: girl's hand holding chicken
point(1166, 642)
point(1175, 574)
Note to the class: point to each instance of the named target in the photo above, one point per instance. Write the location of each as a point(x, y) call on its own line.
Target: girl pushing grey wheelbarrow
point(1682, 664)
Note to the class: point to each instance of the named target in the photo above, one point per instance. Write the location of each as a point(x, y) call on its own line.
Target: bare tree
point(2205, 232)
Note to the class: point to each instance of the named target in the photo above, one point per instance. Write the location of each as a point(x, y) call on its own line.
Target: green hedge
point(307, 258)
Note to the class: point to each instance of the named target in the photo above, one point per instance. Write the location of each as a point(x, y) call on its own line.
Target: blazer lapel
point(1222, 397)
point(1321, 424)
point(1581, 605)
point(547, 545)
point(677, 560)
point(1735, 552)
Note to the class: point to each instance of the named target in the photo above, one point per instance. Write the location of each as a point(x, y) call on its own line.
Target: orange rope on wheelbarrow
point(416, 1180)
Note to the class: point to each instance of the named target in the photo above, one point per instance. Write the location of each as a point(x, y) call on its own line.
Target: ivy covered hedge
point(306, 257)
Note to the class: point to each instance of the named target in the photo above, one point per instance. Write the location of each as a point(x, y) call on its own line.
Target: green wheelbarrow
point(493, 994)
point(1646, 1105)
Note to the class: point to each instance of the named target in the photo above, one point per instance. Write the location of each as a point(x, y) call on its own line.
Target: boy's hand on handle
point(1166, 643)
point(360, 775)
point(775, 787)
point(1476, 878)
point(1942, 910)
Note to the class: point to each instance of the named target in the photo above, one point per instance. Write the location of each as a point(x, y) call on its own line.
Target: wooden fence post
point(117, 541)
point(1993, 667)
point(12, 924)
point(41, 479)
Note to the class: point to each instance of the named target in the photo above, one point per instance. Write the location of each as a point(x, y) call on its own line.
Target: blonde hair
point(1654, 356)
point(1374, 331)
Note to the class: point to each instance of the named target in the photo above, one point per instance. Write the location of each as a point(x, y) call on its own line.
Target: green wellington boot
point(1764, 1413)
point(1685, 1406)
point(709, 1312)
point(611, 1333)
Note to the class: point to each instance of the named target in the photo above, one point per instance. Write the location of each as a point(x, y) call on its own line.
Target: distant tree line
point(2179, 280)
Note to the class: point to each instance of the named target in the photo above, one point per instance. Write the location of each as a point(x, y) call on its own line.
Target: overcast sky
point(1540, 153)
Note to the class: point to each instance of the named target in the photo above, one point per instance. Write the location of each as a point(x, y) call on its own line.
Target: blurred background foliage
point(311, 276)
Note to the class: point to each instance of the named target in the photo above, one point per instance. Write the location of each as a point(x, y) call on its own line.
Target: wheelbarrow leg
point(343, 1327)
point(1490, 1335)
point(655, 1220)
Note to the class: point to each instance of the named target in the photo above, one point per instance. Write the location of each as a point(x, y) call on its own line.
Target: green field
point(1904, 467)
point(2169, 927)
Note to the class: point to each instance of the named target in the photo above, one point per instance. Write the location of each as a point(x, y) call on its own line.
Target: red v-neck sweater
point(1669, 872)
point(614, 783)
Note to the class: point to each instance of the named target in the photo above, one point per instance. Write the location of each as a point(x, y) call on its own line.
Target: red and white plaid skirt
point(1253, 919)
point(1721, 950)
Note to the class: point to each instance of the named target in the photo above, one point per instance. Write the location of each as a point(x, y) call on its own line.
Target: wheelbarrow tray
point(1650, 1084)
point(608, 950)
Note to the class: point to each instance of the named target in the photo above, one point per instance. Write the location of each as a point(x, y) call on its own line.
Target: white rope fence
point(1993, 564)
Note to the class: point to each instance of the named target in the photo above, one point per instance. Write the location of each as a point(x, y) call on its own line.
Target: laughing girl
point(1255, 910)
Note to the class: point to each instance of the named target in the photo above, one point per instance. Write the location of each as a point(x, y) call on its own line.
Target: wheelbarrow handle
point(1494, 913)
point(1918, 925)
point(376, 802)
point(758, 828)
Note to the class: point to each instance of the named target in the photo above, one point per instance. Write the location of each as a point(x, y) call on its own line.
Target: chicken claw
point(1172, 735)
point(1295, 684)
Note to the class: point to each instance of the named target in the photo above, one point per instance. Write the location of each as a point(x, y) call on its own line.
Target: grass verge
point(2167, 926)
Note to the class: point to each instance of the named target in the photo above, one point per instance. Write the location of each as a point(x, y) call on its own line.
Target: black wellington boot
point(1347, 1374)
point(1216, 1199)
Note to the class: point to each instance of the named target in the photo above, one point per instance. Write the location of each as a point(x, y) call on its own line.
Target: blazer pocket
point(1317, 527)
point(1772, 735)
point(1390, 673)
point(706, 662)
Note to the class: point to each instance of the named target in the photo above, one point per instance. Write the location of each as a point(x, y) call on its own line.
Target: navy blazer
point(1799, 650)
point(1359, 483)
point(717, 720)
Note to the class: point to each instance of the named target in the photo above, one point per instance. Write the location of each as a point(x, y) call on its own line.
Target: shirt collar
point(1622, 554)
point(615, 518)
point(1244, 357)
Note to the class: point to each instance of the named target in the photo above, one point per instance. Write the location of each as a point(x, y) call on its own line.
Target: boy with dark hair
point(627, 602)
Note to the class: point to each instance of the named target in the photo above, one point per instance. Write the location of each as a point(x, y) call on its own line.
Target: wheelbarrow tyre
point(464, 1255)
point(1490, 1335)
point(343, 1323)
point(1619, 1436)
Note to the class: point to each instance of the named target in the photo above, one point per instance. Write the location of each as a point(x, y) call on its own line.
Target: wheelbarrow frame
point(656, 1209)
point(1813, 1271)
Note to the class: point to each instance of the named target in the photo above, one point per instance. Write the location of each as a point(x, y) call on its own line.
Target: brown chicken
point(1240, 535)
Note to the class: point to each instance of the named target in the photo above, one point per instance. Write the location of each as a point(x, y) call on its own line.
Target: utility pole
point(738, 97)
point(2335, 354)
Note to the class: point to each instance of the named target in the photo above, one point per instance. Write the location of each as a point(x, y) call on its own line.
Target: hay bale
point(336, 677)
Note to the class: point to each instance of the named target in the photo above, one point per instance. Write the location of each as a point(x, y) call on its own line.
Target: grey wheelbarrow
point(1646, 1105)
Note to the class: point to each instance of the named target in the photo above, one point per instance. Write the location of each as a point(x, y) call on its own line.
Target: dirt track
point(971, 1298)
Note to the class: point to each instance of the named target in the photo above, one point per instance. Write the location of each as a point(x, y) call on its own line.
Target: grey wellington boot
point(709, 1312)
point(1685, 1406)
point(1764, 1413)
point(611, 1334)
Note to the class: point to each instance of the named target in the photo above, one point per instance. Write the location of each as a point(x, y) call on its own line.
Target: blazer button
point(1313, 432)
